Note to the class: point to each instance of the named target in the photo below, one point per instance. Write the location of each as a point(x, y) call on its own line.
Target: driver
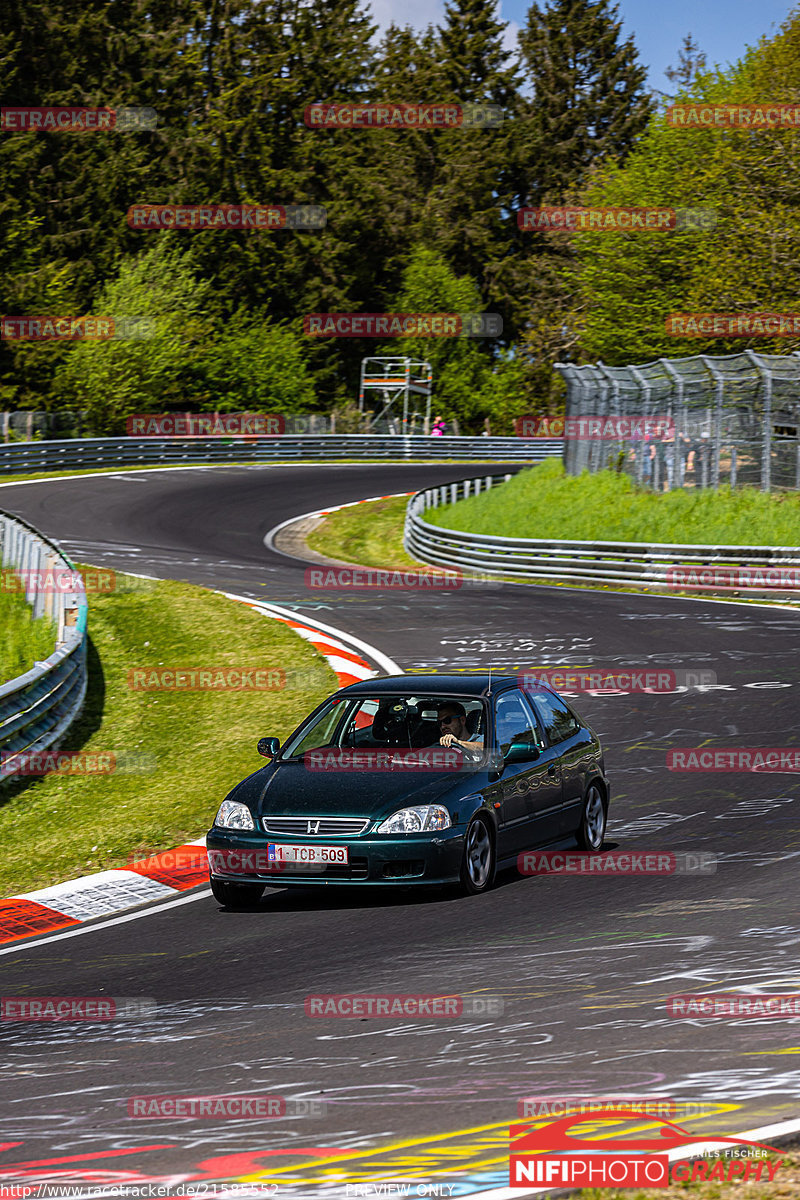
point(452, 718)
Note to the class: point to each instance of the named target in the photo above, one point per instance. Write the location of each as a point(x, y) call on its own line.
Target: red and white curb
point(165, 875)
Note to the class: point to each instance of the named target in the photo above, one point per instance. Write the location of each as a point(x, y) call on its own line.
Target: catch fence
point(730, 419)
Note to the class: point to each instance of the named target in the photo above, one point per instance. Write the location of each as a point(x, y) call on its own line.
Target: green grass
point(368, 534)
point(58, 827)
point(23, 640)
point(543, 502)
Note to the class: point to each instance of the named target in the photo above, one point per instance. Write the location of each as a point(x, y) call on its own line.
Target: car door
point(527, 797)
point(574, 746)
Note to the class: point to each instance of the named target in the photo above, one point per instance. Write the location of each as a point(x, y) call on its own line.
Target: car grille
point(307, 826)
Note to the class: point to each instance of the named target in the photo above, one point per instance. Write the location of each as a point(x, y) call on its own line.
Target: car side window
point(321, 733)
point(558, 721)
point(513, 721)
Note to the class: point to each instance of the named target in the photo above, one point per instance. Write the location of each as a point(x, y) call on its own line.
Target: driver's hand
point(449, 739)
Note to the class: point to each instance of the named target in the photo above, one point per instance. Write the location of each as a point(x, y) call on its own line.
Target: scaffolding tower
point(397, 379)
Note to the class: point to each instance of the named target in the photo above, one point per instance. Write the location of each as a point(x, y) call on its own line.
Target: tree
point(589, 106)
point(460, 364)
point(691, 63)
point(746, 263)
point(114, 379)
point(254, 366)
point(589, 101)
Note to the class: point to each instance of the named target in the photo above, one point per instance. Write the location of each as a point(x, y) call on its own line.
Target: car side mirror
point(520, 752)
point(269, 747)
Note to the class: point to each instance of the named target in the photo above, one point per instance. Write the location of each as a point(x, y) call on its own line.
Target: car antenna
point(489, 689)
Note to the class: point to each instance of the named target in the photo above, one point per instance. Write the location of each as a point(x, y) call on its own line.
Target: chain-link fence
point(732, 419)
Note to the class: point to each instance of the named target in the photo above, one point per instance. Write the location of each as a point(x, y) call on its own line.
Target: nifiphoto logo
point(560, 1153)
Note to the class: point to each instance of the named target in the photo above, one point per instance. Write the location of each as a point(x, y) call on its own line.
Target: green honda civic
point(412, 780)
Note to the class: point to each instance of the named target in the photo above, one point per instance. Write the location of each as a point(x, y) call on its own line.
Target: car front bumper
point(425, 858)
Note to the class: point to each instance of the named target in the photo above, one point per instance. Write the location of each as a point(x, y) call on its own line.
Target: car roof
point(477, 685)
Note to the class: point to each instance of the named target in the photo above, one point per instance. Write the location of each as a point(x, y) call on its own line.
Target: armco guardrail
point(80, 454)
point(37, 708)
point(616, 564)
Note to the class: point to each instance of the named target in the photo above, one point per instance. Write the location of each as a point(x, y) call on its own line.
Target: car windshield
point(405, 722)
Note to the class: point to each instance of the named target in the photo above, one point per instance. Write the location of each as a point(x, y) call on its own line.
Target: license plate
point(279, 853)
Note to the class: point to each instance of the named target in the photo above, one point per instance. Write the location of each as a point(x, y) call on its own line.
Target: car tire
point(236, 895)
point(592, 829)
point(479, 861)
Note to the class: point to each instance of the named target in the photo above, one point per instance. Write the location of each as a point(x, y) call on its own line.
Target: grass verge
point(543, 502)
point(201, 742)
point(23, 640)
point(369, 534)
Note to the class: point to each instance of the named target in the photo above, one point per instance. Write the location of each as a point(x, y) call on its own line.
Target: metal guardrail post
point(37, 708)
point(620, 564)
point(766, 442)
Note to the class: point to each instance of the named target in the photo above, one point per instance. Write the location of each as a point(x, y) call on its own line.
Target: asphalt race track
point(584, 966)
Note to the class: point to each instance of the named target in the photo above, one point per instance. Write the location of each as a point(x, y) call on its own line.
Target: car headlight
point(233, 815)
point(417, 820)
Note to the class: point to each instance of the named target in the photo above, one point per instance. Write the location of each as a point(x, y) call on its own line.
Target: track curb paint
point(166, 874)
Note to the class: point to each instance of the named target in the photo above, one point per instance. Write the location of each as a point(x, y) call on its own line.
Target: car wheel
point(592, 828)
point(478, 862)
point(237, 895)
